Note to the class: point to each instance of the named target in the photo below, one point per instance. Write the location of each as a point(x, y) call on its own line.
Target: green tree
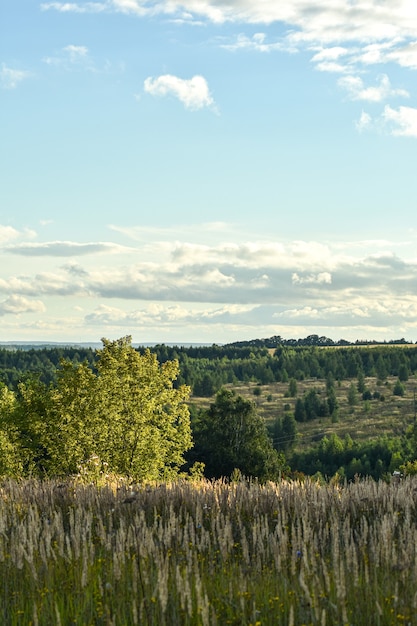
point(313, 406)
point(352, 395)
point(381, 368)
point(30, 419)
point(145, 421)
point(399, 389)
point(403, 373)
point(332, 402)
point(127, 413)
point(284, 432)
point(231, 435)
point(10, 460)
point(72, 428)
point(292, 388)
point(361, 381)
point(300, 411)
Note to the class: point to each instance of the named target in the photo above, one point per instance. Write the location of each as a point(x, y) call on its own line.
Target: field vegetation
point(266, 408)
point(208, 553)
point(383, 414)
point(106, 517)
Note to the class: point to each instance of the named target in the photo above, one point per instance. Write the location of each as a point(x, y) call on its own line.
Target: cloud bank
point(233, 288)
point(63, 248)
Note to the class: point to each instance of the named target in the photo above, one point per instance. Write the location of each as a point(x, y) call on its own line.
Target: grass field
point(366, 420)
point(208, 554)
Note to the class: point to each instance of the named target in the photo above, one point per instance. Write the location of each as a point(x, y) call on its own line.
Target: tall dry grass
point(208, 553)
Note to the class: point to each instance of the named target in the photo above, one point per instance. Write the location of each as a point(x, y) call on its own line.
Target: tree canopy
point(231, 435)
point(127, 413)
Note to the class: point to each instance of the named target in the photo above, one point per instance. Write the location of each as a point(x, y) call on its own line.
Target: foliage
point(292, 388)
point(374, 458)
point(145, 420)
point(65, 412)
point(398, 389)
point(127, 413)
point(352, 394)
point(284, 432)
point(10, 463)
point(207, 368)
point(231, 435)
point(17, 364)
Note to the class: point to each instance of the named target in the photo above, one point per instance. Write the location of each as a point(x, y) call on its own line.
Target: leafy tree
point(231, 435)
point(10, 463)
point(32, 399)
point(71, 424)
point(145, 421)
point(127, 413)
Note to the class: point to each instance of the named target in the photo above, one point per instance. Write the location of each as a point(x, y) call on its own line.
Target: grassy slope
point(367, 420)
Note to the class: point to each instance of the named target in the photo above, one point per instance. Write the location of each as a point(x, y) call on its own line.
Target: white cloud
point(165, 315)
point(76, 52)
point(16, 304)
point(322, 278)
point(71, 56)
point(328, 22)
point(194, 93)
point(10, 78)
point(330, 54)
point(364, 122)
point(257, 42)
point(406, 56)
point(356, 89)
point(228, 273)
point(74, 7)
point(401, 121)
point(65, 248)
point(7, 233)
point(176, 232)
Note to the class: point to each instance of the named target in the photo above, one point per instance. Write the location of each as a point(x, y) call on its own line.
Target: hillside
point(327, 407)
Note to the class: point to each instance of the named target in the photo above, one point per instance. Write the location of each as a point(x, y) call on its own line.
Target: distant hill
point(311, 340)
point(94, 345)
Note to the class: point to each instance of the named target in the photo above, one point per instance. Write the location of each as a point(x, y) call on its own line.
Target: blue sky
point(208, 171)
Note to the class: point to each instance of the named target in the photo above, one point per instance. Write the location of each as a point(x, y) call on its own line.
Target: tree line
point(206, 369)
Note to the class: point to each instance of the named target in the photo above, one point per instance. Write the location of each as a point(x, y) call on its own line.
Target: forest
point(264, 408)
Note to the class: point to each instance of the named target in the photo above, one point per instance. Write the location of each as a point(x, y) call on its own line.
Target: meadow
point(208, 553)
point(386, 416)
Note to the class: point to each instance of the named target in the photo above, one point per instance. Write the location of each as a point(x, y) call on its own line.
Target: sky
point(208, 171)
